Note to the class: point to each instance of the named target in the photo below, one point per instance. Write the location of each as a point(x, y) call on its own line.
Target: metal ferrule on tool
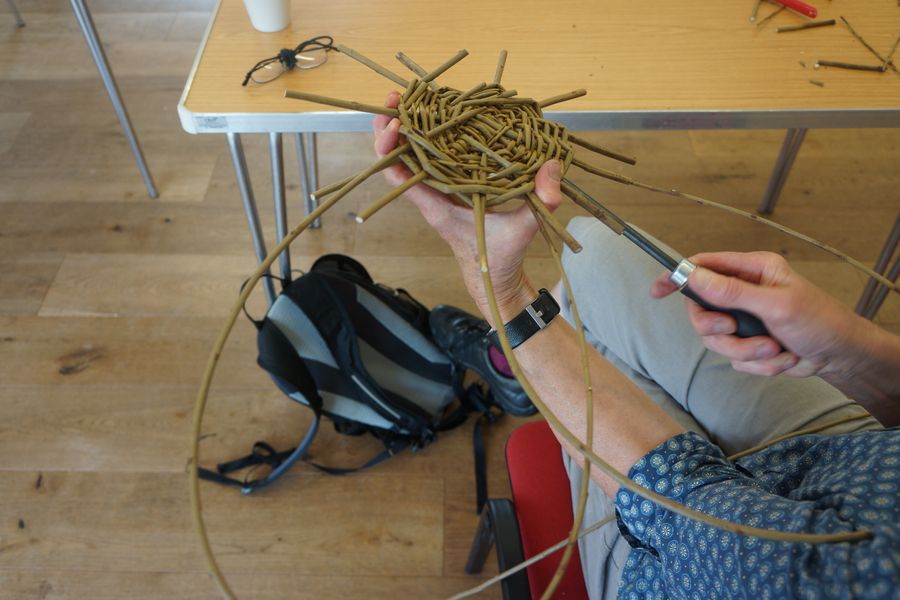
point(681, 273)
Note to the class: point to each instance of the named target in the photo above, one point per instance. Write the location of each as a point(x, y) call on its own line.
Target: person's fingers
point(388, 139)
point(783, 363)
point(662, 287)
point(381, 121)
point(546, 184)
point(732, 292)
point(743, 349)
point(393, 99)
point(707, 322)
point(750, 266)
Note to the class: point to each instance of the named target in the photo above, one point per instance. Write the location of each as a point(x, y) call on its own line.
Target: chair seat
point(543, 502)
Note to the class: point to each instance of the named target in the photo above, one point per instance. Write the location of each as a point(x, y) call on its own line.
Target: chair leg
point(498, 524)
point(481, 545)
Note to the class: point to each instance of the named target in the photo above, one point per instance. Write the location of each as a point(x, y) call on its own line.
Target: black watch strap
point(535, 317)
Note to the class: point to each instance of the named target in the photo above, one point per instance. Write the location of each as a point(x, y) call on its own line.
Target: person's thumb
point(546, 184)
point(729, 292)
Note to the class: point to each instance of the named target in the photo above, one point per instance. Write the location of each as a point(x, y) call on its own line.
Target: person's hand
point(813, 328)
point(508, 233)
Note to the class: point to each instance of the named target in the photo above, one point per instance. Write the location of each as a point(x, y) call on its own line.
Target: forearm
point(869, 371)
point(627, 424)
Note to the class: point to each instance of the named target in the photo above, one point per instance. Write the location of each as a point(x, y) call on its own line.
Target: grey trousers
point(652, 342)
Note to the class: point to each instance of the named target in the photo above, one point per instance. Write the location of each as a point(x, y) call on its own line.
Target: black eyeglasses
point(308, 55)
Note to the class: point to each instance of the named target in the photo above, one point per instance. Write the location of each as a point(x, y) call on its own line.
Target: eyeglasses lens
point(269, 72)
point(310, 59)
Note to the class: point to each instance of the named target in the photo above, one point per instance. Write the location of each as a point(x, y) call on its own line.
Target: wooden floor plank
point(25, 282)
point(367, 525)
point(105, 585)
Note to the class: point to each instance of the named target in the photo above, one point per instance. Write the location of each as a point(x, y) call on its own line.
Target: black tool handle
point(747, 325)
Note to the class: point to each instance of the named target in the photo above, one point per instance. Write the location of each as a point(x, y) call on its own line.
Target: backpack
point(360, 354)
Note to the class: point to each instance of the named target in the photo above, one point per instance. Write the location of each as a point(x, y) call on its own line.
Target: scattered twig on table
point(812, 25)
point(816, 82)
point(842, 65)
point(885, 62)
point(770, 15)
point(755, 11)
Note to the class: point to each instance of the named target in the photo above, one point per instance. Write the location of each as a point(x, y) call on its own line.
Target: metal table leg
point(789, 149)
point(20, 22)
point(882, 292)
point(309, 176)
point(246, 189)
point(872, 296)
point(276, 154)
point(93, 41)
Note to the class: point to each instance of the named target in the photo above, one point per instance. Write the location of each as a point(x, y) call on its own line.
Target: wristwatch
point(535, 317)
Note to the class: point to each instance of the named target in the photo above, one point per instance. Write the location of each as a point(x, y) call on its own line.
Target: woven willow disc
point(480, 141)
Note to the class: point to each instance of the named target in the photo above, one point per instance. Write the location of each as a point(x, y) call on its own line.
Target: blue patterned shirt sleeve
point(812, 484)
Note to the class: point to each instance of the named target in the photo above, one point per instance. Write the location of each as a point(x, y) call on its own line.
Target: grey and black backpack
point(360, 354)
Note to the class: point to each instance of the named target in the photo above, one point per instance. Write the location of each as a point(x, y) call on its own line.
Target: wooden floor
point(109, 304)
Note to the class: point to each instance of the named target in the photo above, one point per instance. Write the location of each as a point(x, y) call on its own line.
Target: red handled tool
point(801, 7)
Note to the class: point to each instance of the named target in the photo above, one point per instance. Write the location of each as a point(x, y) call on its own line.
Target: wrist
point(510, 302)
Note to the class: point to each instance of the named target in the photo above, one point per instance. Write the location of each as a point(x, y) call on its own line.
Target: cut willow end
point(391, 196)
point(501, 64)
point(348, 104)
point(562, 98)
point(371, 64)
point(446, 66)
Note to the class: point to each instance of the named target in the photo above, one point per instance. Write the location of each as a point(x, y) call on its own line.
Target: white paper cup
point(269, 15)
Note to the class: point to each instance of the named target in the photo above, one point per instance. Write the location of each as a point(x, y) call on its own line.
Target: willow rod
point(371, 64)
point(703, 202)
point(348, 104)
point(562, 98)
point(601, 150)
point(786, 230)
point(390, 196)
point(440, 70)
point(501, 64)
point(583, 491)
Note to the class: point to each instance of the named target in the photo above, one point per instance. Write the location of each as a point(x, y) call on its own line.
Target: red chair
point(539, 516)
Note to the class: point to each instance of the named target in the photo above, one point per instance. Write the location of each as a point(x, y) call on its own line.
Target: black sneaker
point(464, 338)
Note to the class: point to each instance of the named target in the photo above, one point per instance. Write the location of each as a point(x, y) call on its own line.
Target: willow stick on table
point(851, 66)
point(812, 25)
point(890, 57)
point(862, 41)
